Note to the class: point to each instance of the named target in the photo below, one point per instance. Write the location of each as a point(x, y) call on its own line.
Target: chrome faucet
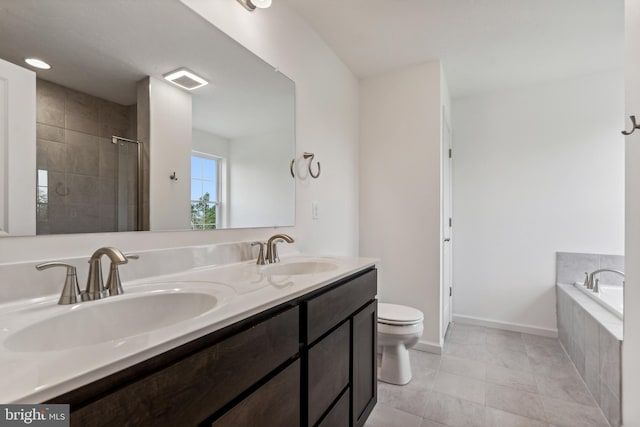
point(594, 285)
point(95, 286)
point(272, 248)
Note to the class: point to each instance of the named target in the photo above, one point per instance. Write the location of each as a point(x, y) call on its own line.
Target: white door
point(447, 222)
point(17, 150)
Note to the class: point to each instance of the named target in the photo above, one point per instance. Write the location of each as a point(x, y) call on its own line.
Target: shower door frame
point(114, 140)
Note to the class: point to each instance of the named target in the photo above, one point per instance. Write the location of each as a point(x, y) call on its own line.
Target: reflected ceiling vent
point(185, 78)
point(251, 5)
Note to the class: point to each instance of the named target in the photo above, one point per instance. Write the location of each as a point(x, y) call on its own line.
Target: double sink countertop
point(48, 349)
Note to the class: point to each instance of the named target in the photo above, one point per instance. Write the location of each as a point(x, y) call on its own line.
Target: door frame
point(447, 226)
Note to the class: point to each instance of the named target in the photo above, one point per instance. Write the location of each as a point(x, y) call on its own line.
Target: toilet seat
point(398, 315)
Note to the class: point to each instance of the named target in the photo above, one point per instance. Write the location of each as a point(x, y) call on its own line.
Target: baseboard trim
point(507, 326)
point(428, 347)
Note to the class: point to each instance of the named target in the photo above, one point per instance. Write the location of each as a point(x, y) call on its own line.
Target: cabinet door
point(339, 414)
point(363, 369)
point(275, 404)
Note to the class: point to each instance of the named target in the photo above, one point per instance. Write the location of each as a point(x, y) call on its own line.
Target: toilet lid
point(394, 314)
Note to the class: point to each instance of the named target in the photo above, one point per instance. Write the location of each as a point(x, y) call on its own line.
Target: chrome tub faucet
point(594, 285)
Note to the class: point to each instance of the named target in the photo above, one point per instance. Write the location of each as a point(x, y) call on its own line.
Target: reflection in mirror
point(111, 131)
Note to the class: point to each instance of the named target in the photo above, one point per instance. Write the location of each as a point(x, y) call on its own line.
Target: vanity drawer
point(339, 414)
point(328, 371)
point(332, 307)
point(190, 390)
point(276, 404)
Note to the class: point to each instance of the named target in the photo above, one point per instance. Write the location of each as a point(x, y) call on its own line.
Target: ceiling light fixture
point(185, 78)
point(251, 5)
point(38, 63)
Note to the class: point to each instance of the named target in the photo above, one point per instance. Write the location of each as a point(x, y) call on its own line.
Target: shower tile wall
point(74, 147)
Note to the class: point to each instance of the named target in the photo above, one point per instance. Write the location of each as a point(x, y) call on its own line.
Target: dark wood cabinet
point(340, 317)
point(335, 305)
point(338, 416)
point(276, 404)
point(191, 389)
point(328, 371)
point(308, 362)
point(363, 371)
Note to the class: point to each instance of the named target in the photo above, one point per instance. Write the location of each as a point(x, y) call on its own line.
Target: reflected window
point(205, 192)
point(42, 196)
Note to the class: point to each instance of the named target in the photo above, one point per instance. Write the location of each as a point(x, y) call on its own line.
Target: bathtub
point(610, 297)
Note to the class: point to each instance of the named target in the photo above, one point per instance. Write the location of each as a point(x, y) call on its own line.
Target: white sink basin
point(300, 268)
point(110, 319)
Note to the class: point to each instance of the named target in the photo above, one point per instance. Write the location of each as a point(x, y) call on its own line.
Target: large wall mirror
point(118, 147)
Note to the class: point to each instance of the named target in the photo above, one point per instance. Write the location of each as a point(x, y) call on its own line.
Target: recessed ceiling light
point(38, 63)
point(185, 79)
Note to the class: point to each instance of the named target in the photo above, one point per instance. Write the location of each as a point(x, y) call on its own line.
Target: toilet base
point(396, 366)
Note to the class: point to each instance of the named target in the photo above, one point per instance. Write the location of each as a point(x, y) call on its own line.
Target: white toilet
point(399, 328)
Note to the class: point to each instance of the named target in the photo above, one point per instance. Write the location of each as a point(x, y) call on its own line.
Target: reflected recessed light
point(185, 79)
point(262, 4)
point(38, 63)
point(251, 5)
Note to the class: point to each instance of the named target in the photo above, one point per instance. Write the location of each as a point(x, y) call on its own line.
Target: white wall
point(170, 144)
point(326, 116)
point(17, 150)
point(631, 347)
point(400, 188)
point(260, 190)
point(205, 142)
point(326, 122)
point(536, 170)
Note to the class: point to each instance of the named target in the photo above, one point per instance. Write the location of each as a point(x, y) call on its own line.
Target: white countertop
point(33, 377)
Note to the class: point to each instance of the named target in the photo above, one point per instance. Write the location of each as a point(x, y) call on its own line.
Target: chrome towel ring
point(310, 157)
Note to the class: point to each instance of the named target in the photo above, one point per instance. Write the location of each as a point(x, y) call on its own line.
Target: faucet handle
point(114, 284)
point(260, 260)
point(71, 290)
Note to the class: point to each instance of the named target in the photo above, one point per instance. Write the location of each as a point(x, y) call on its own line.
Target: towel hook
point(173, 177)
point(634, 126)
point(310, 156)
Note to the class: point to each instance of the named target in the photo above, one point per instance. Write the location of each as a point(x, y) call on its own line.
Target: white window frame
point(219, 177)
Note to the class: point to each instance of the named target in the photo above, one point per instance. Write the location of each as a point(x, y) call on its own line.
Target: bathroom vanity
point(302, 354)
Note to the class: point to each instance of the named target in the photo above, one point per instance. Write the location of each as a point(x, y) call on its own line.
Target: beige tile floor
point(489, 378)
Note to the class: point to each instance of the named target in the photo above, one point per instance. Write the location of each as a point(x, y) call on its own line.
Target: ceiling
point(104, 47)
point(484, 44)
